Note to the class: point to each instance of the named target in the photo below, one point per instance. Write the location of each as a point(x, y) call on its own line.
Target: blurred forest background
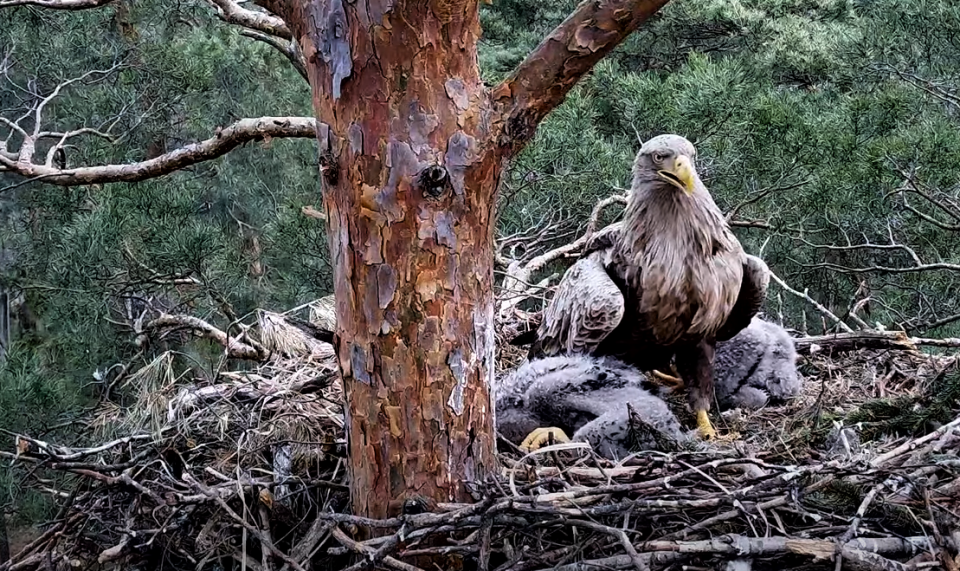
point(830, 129)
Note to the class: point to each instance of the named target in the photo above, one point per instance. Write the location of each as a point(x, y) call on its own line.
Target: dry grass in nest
point(248, 470)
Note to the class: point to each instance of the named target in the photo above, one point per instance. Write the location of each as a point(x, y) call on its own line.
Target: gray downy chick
point(756, 367)
point(598, 400)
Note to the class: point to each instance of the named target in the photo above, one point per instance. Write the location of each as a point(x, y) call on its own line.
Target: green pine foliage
point(78, 256)
point(912, 415)
point(813, 99)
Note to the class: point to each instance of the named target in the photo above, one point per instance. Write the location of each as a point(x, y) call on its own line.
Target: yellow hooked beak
point(681, 176)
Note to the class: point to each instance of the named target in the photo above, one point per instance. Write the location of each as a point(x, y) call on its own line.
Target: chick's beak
point(681, 175)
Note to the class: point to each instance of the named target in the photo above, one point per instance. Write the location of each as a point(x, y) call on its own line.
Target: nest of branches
point(245, 469)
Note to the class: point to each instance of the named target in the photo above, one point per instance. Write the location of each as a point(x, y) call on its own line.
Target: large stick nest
point(245, 469)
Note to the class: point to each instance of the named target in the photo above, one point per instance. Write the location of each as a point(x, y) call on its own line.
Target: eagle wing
point(588, 305)
point(753, 290)
point(603, 239)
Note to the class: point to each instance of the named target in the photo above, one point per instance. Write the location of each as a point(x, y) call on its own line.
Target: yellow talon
point(542, 436)
point(707, 432)
point(670, 381)
point(703, 425)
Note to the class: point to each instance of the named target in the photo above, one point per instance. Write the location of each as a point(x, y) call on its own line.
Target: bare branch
point(750, 224)
point(927, 217)
point(941, 93)
point(232, 13)
point(940, 266)
point(235, 348)
point(599, 208)
point(38, 112)
point(760, 195)
point(56, 4)
point(823, 310)
point(288, 48)
point(913, 186)
point(312, 212)
point(866, 246)
point(517, 281)
point(542, 80)
point(919, 265)
point(938, 323)
point(225, 140)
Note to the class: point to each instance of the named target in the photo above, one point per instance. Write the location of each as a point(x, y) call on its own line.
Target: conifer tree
point(412, 146)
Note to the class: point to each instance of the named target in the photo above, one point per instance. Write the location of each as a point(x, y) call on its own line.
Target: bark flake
point(332, 30)
point(358, 363)
point(461, 151)
point(386, 284)
point(355, 136)
point(458, 369)
point(457, 93)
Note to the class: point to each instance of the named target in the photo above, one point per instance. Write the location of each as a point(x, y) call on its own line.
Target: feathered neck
point(666, 227)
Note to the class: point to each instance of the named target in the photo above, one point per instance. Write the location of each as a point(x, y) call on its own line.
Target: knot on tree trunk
point(433, 181)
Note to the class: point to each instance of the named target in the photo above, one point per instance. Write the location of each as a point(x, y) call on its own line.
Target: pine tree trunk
point(411, 150)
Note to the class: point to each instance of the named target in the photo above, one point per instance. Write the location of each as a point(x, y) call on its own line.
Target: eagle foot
point(707, 432)
point(542, 437)
point(671, 382)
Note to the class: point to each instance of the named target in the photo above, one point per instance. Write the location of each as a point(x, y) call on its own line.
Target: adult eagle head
point(667, 159)
point(670, 282)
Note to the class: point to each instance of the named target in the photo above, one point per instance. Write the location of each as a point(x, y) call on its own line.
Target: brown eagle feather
point(670, 279)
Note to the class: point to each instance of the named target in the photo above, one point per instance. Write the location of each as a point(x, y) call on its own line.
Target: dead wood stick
point(741, 545)
point(734, 513)
point(861, 511)
point(911, 444)
point(858, 559)
point(25, 552)
point(234, 347)
point(265, 524)
point(304, 547)
point(857, 340)
point(66, 455)
point(638, 563)
point(312, 212)
point(865, 552)
point(896, 340)
point(371, 556)
point(657, 559)
point(486, 536)
point(823, 310)
point(628, 472)
point(256, 532)
point(674, 477)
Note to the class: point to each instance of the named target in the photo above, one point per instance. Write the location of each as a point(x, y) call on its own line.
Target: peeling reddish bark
point(411, 150)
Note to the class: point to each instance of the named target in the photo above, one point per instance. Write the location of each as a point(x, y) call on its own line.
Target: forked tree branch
point(225, 140)
point(943, 203)
point(288, 48)
point(541, 82)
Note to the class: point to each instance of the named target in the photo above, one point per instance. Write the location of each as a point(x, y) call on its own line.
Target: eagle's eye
point(659, 157)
